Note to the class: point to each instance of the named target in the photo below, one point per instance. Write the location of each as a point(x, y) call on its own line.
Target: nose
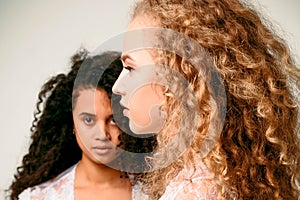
point(102, 133)
point(118, 87)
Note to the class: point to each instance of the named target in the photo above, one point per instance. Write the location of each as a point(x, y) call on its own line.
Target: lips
point(101, 150)
point(125, 112)
point(125, 109)
point(123, 105)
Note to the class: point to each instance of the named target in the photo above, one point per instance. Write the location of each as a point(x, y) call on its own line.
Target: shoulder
point(200, 189)
point(192, 184)
point(25, 195)
point(53, 189)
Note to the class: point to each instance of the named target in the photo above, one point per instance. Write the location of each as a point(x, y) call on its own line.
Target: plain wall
point(38, 38)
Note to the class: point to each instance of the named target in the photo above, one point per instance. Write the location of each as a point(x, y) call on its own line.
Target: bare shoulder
point(60, 186)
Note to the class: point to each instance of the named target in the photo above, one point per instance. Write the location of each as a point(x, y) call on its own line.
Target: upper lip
point(102, 147)
point(123, 105)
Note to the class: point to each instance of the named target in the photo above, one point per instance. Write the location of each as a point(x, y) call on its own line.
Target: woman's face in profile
point(139, 87)
point(141, 94)
point(96, 131)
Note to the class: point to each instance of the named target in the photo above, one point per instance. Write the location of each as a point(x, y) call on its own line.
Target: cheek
point(142, 101)
point(80, 143)
point(84, 137)
point(85, 140)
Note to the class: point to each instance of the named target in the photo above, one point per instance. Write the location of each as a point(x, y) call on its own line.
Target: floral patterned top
point(62, 188)
point(192, 183)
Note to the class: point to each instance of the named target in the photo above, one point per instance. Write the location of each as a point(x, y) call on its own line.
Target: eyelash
point(88, 123)
point(113, 121)
point(129, 68)
point(92, 121)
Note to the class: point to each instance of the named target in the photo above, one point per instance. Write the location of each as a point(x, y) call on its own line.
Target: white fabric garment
point(192, 183)
point(62, 188)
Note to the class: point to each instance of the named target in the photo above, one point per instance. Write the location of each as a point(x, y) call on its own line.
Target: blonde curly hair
point(257, 155)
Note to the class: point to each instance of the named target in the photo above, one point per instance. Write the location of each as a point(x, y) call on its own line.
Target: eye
point(129, 68)
point(112, 121)
point(88, 120)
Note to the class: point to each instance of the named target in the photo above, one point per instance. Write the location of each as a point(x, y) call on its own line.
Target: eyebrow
point(125, 56)
point(128, 60)
point(88, 114)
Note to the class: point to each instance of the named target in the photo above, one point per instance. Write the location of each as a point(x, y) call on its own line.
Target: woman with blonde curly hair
point(222, 94)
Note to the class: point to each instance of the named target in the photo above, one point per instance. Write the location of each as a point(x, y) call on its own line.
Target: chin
point(104, 160)
point(140, 130)
point(153, 125)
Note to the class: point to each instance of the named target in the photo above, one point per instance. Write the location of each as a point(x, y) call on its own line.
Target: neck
point(89, 172)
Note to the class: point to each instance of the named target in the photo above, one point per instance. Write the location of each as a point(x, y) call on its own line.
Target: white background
point(37, 39)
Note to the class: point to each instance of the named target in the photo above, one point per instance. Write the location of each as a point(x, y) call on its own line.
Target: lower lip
point(125, 112)
point(100, 151)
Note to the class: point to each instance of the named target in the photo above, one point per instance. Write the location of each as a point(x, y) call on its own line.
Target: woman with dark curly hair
point(224, 91)
point(76, 144)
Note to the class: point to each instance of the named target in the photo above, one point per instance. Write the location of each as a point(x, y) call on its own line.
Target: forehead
point(140, 34)
point(92, 98)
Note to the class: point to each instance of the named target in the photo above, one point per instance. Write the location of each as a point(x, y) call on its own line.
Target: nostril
point(117, 91)
point(114, 89)
point(102, 136)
